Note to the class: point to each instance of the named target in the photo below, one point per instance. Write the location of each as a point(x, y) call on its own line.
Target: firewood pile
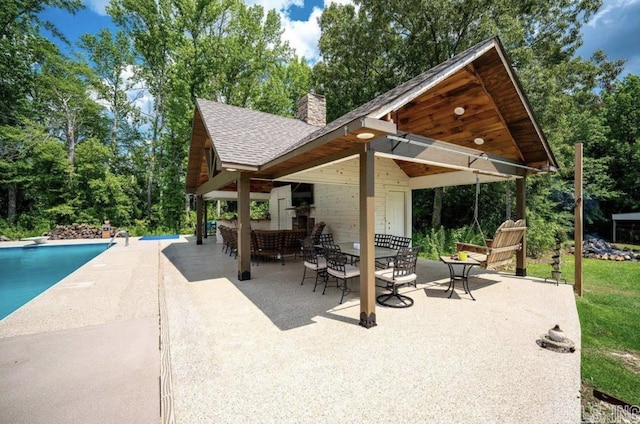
point(601, 249)
point(74, 231)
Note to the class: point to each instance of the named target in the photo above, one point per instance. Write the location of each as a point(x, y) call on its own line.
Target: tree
point(63, 96)
point(100, 194)
point(112, 60)
point(23, 48)
point(221, 50)
point(622, 147)
point(151, 27)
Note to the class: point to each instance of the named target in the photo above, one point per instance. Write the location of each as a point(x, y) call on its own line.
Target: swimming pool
point(25, 272)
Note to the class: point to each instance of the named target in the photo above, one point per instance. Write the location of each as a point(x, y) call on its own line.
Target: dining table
point(352, 249)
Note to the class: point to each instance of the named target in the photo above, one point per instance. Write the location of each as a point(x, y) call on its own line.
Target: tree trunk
point(71, 144)
point(436, 219)
point(13, 203)
point(149, 189)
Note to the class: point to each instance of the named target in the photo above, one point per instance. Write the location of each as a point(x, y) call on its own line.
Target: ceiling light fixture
point(365, 135)
point(479, 141)
point(231, 169)
point(458, 110)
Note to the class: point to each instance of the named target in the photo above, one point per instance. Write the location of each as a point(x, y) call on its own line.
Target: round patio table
point(453, 262)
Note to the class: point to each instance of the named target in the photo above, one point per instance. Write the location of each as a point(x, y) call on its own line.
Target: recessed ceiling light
point(479, 141)
point(458, 110)
point(365, 135)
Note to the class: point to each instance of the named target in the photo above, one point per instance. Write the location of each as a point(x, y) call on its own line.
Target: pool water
point(25, 272)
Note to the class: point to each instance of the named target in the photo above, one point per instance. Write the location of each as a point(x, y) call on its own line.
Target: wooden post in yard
point(206, 218)
point(577, 288)
point(521, 213)
point(244, 227)
point(199, 209)
point(367, 229)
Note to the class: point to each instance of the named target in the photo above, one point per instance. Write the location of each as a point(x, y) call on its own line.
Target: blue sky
point(615, 29)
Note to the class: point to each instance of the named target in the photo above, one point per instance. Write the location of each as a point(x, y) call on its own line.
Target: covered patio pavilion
point(466, 119)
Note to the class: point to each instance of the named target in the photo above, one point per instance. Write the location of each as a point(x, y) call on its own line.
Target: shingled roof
point(249, 137)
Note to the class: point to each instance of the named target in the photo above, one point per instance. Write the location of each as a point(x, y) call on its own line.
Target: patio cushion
point(322, 264)
point(349, 272)
point(387, 275)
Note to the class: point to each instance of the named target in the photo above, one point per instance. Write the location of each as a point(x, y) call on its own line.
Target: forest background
point(74, 146)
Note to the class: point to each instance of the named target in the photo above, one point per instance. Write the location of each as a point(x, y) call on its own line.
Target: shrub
point(541, 235)
point(441, 241)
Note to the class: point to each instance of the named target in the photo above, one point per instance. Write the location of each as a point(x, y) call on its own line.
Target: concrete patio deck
point(271, 350)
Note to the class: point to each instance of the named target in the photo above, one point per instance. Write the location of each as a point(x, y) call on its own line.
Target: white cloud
point(609, 7)
point(97, 6)
point(302, 36)
point(278, 5)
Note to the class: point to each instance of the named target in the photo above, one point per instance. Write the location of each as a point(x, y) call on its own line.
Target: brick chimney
point(312, 109)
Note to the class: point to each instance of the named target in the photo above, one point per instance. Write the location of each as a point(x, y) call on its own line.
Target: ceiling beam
point(449, 179)
point(321, 161)
point(359, 125)
point(446, 155)
point(217, 182)
point(233, 195)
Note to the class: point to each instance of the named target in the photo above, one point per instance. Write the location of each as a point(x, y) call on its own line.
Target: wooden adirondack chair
point(500, 249)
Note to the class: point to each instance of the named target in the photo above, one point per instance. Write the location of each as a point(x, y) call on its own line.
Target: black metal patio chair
point(402, 273)
point(312, 261)
point(338, 268)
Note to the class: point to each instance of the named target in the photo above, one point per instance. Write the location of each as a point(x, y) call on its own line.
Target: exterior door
point(396, 213)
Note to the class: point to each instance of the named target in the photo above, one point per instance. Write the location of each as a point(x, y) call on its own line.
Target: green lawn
point(610, 319)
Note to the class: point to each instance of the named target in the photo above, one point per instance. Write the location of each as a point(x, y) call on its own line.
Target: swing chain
point(475, 211)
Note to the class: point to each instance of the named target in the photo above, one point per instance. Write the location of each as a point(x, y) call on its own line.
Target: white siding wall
point(283, 192)
point(336, 196)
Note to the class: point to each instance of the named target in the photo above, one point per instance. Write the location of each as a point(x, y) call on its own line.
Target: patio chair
point(398, 242)
point(268, 244)
point(230, 240)
point(500, 249)
point(316, 231)
point(338, 267)
point(395, 243)
point(312, 261)
point(291, 242)
point(225, 237)
point(402, 273)
point(382, 240)
point(324, 239)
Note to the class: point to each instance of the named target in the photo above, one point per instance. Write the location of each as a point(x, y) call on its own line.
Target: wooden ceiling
point(494, 110)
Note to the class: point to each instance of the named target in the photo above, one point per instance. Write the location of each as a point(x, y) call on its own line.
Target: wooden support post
point(206, 220)
point(577, 288)
point(199, 202)
point(521, 213)
point(367, 248)
point(244, 228)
